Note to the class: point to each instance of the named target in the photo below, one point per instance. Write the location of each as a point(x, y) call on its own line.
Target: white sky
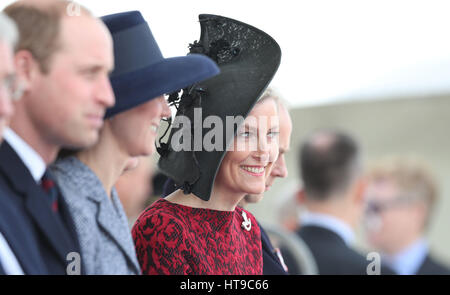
point(333, 50)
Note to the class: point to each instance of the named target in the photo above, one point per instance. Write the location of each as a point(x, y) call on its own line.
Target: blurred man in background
point(333, 187)
point(8, 39)
point(273, 263)
point(400, 198)
point(9, 263)
point(63, 60)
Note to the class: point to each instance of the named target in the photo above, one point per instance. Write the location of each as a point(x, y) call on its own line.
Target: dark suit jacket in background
point(331, 253)
point(20, 235)
point(271, 263)
point(54, 234)
point(432, 267)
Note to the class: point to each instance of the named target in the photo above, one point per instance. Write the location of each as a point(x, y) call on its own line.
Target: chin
point(148, 151)
point(86, 141)
point(255, 190)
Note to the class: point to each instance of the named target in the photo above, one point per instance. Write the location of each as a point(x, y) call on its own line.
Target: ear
point(300, 196)
point(360, 189)
point(26, 67)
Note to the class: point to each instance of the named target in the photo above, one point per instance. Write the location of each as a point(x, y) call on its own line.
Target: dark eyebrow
point(274, 127)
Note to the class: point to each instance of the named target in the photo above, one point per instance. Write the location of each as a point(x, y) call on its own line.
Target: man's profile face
point(69, 102)
point(280, 169)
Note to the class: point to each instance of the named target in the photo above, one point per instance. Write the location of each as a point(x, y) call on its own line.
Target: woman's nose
point(165, 108)
point(262, 157)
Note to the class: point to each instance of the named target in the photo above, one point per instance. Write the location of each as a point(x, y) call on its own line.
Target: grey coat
point(105, 238)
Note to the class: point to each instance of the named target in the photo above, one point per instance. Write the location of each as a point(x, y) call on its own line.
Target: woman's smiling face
point(246, 167)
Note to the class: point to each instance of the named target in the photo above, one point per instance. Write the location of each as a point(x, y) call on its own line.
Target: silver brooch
point(247, 223)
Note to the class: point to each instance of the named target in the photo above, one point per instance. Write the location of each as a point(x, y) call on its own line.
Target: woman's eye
point(245, 134)
point(273, 134)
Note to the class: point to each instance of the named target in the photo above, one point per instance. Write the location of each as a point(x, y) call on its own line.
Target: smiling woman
point(245, 168)
point(199, 229)
point(214, 236)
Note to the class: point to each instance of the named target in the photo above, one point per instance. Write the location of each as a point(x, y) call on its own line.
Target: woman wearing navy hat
point(140, 79)
point(199, 229)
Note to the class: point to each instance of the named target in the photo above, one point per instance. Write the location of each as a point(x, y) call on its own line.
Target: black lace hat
point(248, 59)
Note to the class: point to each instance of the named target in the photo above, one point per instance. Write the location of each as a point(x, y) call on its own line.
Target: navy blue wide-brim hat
point(141, 73)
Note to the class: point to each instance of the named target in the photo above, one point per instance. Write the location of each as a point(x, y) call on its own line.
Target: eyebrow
point(94, 68)
point(246, 126)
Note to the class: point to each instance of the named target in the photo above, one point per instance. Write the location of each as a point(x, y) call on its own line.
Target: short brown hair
point(412, 176)
point(39, 26)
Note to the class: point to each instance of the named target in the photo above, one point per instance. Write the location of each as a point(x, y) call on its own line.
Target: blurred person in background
point(333, 187)
point(63, 63)
point(135, 187)
point(8, 40)
point(273, 263)
point(401, 196)
point(18, 255)
point(140, 79)
point(288, 210)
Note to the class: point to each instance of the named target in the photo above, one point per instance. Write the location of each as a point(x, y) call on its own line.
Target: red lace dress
point(176, 239)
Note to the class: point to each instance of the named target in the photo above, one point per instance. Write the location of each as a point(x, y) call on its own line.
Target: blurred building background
point(407, 126)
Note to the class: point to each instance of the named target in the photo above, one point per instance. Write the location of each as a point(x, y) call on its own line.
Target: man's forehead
point(83, 29)
point(87, 36)
point(382, 188)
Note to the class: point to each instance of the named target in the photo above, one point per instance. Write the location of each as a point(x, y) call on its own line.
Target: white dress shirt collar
point(409, 260)
point(8, 260)
point(329, 222)
point(32, 160)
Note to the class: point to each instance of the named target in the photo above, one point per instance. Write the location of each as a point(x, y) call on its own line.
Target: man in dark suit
point(401, 194)
point(14, 232)
point(63, 62)
point(333, 187)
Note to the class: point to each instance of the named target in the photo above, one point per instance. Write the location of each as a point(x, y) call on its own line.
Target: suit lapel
point(20, 238)
point(34, 199)
point(113, 225)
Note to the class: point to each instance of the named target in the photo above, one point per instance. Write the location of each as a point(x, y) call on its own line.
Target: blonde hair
point(39, 26)
point(411, 175)
point(271, 93)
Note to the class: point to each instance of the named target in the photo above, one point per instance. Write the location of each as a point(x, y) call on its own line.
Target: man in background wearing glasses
point(400, 197)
